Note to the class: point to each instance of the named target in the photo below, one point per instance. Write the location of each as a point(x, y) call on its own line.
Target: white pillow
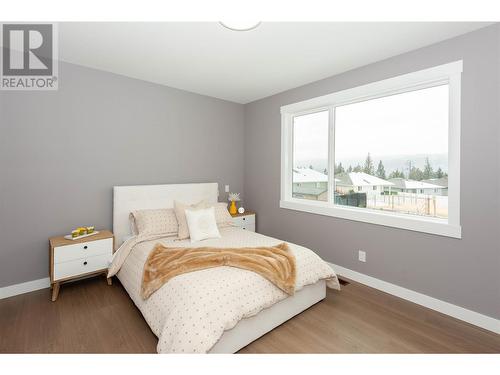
point(202, 224)
point(180, 213)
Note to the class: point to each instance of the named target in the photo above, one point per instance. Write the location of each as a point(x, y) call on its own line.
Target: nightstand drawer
point(83, 250)
point(244, 220)
point(81, 266)
point(249, 226)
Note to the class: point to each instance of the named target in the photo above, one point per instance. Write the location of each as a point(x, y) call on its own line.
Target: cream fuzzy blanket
point(275, 263)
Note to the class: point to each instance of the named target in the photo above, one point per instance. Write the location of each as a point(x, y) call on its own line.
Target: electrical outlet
point(226, 188)
point(361, 256)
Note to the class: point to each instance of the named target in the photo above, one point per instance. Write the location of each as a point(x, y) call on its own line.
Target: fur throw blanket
point(276, 264)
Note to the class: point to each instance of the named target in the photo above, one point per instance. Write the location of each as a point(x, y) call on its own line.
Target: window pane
point(391, 153)
point(310, 156)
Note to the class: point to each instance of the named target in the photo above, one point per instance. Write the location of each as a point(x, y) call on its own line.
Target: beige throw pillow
point(155, 221)
point(222, 215)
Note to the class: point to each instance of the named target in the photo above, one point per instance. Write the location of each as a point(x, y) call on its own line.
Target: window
point(385, 153)
point(310, 147)
point(395, 140)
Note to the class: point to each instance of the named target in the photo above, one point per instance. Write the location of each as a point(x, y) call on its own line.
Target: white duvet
point(190, 312)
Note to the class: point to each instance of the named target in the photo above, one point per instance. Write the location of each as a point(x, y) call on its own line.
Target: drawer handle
point(85, 263)
point(85, 247)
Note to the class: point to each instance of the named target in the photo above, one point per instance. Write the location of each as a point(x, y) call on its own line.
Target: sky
point(415, 122)
point(310, 137)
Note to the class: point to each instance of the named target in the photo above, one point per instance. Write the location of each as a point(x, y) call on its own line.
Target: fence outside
point(409, 203)
point(351, 199)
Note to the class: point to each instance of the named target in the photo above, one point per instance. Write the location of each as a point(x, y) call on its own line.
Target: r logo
point(27, 50)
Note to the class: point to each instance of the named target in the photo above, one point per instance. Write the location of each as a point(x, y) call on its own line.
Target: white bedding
point(190, 312)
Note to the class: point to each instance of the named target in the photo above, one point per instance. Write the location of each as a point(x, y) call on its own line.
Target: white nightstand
point(245, 220)
point(70, 260)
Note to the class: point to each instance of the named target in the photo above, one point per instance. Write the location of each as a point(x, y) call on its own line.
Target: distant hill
point(391, 163)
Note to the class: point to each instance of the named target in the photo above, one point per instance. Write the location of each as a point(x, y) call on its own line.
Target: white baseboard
point(30, 286)
point(469, 316)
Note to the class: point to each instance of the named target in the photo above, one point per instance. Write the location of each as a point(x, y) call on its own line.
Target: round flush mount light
point(240, 25)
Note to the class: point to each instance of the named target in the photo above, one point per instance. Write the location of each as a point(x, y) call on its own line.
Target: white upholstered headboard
point(129, 198)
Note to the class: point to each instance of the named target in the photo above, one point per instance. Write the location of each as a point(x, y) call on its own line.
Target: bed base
point(250, 329)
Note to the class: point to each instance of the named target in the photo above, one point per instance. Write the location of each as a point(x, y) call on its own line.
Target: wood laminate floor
point(92, 317)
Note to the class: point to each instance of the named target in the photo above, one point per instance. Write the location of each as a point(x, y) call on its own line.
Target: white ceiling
point(209, 59)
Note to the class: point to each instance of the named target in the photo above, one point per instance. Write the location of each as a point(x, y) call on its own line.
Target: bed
point(217, 310)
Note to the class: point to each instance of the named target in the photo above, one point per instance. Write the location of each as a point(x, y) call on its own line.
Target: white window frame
point(443, 74)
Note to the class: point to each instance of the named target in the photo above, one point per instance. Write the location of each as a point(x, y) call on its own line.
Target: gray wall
point(62, 152)
point(463, 272)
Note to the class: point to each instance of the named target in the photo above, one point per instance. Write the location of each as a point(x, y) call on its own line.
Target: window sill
point(435, 226)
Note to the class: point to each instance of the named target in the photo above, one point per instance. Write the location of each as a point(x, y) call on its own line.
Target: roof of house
point(412, 184)
point(308, 175)
point(443, 181)
point(360, 179)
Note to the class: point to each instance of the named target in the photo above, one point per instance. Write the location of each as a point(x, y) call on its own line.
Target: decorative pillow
point(180, 208)
point(133, 227)
point(201, 224)
point(155, 221)
point(222, 216)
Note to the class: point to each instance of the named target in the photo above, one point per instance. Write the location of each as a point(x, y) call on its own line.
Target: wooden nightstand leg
point(110, 281)
point(55, 291)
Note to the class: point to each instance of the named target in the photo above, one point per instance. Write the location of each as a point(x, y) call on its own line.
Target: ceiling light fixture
point(240, 25)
